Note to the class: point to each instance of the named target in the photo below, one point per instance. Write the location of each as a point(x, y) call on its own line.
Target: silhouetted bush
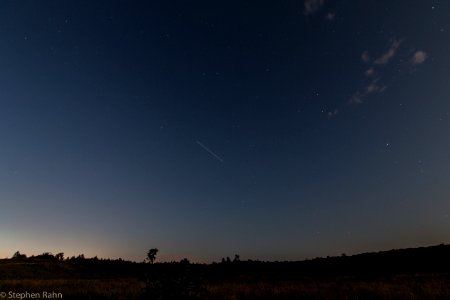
point(18, 256)
point(45, 256)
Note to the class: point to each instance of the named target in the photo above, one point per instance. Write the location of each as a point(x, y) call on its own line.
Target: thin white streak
point(209, 151)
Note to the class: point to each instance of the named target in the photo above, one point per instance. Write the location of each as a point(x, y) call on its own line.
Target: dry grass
point(126, 288)
point(406, 287)
point(411, 288)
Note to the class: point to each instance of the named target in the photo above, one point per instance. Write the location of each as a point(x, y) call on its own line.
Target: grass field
point(118, 288)
point(402, 287)
point(429, 287)
point(414, 274)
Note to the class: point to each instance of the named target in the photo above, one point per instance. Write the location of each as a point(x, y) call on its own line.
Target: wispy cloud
point(369, 72)
point(419, 57)
point(372, 88)
point(386, 57)
point(312, 6)
point(330, 16)
point(356, 98)
point(374, 67)
point(365, 56)
point(332, 113)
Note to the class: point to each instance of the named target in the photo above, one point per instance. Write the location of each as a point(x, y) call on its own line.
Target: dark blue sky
point(272, 129)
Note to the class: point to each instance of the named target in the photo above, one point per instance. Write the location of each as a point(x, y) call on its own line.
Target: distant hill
point(422, 260)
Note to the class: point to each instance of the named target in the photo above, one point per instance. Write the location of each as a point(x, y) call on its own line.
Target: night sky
point(277, 130)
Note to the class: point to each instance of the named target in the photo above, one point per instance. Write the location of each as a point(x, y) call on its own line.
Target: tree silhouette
point(151, 255)
point(60, 256)
point(18, 255)
point(80, 257)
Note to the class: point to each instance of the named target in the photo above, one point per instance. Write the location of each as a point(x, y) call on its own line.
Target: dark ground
point(419, 273)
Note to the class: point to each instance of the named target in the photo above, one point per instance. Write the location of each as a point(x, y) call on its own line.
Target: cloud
point(312, 6)
point(332, 113)
point(356, 98)
point(369, 72)
point(419, 57)
point(374, 66)
point(386, 57)
point(365, 56)
point(330, 16)
point(372, 88)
